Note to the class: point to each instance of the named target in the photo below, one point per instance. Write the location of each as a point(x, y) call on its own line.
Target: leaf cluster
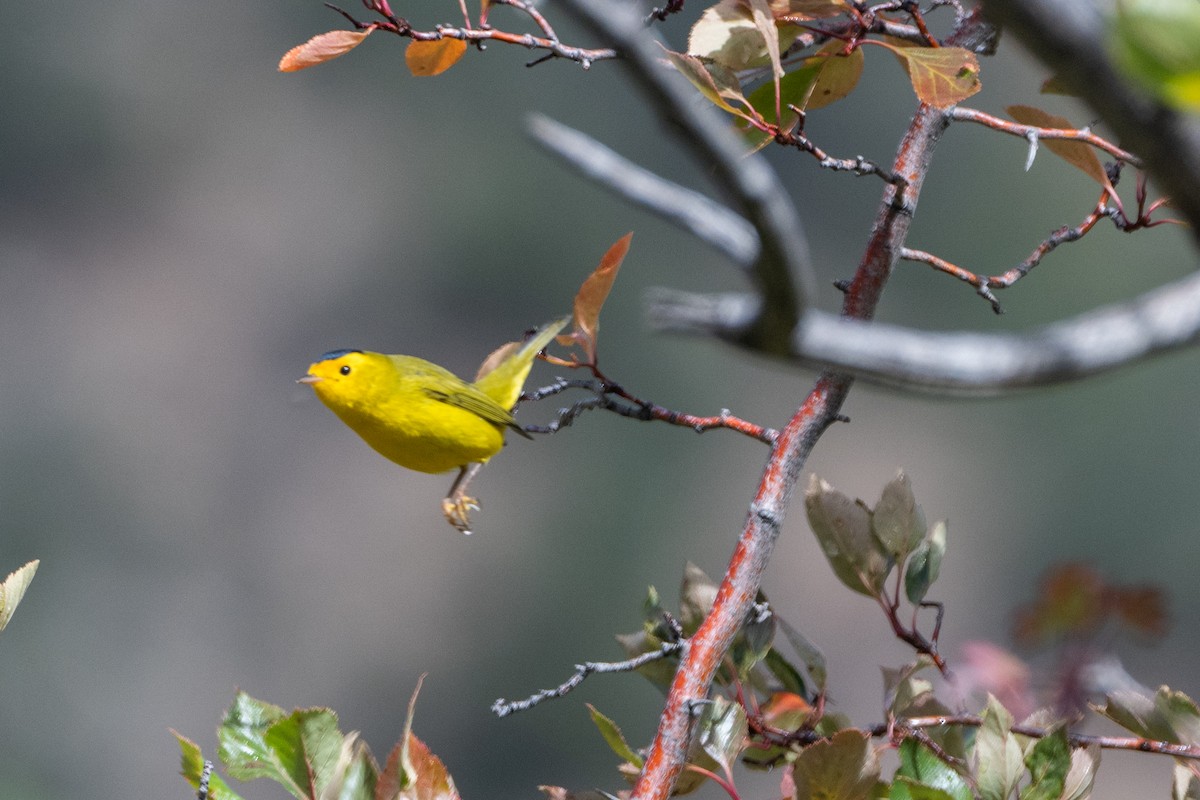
point(308, 755)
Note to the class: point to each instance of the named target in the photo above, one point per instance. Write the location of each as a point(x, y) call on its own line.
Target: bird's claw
point(457, 508)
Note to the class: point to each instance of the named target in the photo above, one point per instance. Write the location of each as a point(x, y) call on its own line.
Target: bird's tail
point(504, 383)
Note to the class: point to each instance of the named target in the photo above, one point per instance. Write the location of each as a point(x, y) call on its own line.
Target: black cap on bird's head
point(336, 354)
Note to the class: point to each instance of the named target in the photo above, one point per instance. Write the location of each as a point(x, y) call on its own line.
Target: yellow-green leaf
point(941, 76)
point(433, 57)
point(322, 48)
point(715, 81)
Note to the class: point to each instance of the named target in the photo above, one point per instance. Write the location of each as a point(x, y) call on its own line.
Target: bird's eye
point(345, 370)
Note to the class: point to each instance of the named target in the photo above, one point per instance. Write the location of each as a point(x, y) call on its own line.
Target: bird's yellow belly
point(432, 443)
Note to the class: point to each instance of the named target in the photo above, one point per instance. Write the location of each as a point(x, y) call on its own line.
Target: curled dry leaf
point(434, 57)
point(591, 296)
point(322, 48)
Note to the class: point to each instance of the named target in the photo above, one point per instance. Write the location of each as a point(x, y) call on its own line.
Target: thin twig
point(962, 114)
point(585, 57)
point(604, 390)
point(205, 777)
point(985, 283)
point(1135, 743)
point(858, 165)
point(502, 707)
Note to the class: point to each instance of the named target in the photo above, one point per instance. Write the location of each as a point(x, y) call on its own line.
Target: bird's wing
point(469, 398)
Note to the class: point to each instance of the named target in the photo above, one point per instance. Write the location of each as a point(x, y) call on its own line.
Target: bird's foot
point(457, 508)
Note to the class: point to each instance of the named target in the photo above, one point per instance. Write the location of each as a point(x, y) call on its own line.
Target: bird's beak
point(309, 379)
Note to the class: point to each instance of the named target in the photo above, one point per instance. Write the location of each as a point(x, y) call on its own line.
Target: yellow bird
point(424, 417)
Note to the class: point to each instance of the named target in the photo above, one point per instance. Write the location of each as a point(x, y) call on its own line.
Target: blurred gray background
point(182, 230)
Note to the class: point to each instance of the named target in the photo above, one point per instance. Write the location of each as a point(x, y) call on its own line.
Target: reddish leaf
point(1077, 154)
point(322, 48)
point(941, 76)
point(433, 57)
point(1143, 608)
point(591, 296)
point(1070, 601)
point(428, 779)
point(786, 711)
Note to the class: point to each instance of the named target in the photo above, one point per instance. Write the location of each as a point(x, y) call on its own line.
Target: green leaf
point(908, 789)
point(921, 765)
point(838, 78)
point(753, 642)
point(998, 762)
point(925, 565)
point(1158, 45)
point(1048, 762)
point(715, 81)
point(844, 767)
point(811, 656)
point(13, 589)
point(897, 520)
point(902, 689)
point(722, 731)
point(819, 80)
point(307, 746)
point(360, 775)
point(613, 736)
point(192, 765)
point(843, 529)
point(785, 672)
point(241, 740)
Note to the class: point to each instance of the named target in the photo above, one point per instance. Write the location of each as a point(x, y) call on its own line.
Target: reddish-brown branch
point(742, 580)
point(961, 114)
point(985, 283)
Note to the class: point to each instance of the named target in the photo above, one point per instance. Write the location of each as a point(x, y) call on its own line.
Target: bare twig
point(205, 777)
point(1135, 743)
point(985, 283)
point(502, 707)
point(858, 165)
point(961, 114)
point(585, 57)
point(604, 397)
